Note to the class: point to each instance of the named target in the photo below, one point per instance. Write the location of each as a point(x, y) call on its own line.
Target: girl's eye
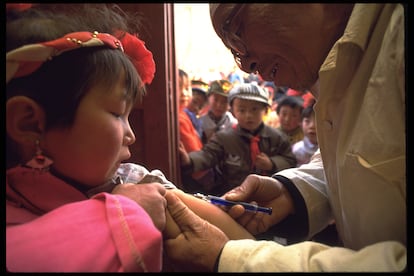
point(117, 115)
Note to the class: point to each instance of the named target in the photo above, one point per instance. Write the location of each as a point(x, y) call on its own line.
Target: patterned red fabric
point(18, 6)
point(28, 58)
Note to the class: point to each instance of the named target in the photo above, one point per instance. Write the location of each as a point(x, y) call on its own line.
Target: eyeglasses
point(231, 36)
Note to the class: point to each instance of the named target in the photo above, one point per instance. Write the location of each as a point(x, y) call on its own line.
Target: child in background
point(188, 134)
point(218, 116)
point(189, 137)
point(304, 149)
point(198, 102)
point(289, 110)
point(249, 147)
point(69, 95)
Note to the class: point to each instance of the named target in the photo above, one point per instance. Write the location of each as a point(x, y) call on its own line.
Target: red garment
point(307, 96)
point(188, 134)
point(52, 227)
point(189, 137)
point(254, 149)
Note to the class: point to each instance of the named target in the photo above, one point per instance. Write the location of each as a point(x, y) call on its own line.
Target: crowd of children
point(231, 112)
point(249, 146)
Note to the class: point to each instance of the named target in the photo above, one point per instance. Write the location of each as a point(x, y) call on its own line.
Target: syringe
point(223, 202)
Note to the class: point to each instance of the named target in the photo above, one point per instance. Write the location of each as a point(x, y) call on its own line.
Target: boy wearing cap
point(218, 116)
point(249, 147)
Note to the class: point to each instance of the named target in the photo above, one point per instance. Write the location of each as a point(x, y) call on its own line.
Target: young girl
point(306, 148)
point(71, 83)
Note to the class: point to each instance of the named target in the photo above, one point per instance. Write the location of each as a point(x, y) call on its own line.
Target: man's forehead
point(216, 9)
point(219, 13)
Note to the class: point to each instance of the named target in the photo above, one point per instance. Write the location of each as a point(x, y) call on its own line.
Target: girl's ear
point(25, 120)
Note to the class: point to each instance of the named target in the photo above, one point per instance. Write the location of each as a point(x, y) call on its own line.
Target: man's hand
point(148, 196)
point(264, 191)
point(198, 245)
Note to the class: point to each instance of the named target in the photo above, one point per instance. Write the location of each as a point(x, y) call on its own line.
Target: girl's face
point(248, 113)
point(309, 128)
point(185, 91)
point(218, 105)
point(290, 118)
point(91, 150)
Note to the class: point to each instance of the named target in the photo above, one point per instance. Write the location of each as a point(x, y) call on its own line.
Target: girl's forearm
point(209, 212)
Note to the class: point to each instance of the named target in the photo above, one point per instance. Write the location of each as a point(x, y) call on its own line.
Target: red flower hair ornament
point(141, 57)
point(27, 59)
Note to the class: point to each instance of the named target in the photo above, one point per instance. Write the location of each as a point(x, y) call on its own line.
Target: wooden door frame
point(155, 120)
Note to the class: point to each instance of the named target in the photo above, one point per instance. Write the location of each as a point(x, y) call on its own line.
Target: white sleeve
point(309, 179)
point(269, 256)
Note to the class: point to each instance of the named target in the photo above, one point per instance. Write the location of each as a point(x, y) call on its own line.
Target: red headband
point(18, 6)
point(27, 59)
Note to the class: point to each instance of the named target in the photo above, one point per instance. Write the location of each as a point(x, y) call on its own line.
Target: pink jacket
point(53, 227)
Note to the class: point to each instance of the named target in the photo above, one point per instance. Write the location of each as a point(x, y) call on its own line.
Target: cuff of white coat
point(244, 255)
point(216, 264)
point(294, 227)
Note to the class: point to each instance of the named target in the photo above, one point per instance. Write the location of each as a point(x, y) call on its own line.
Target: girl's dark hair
point(307, 111)
point(182, 73)
point(60, 84)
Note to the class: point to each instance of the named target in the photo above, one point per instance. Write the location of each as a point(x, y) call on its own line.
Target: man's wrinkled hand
point(148, 196)
point(264, 191)
point(198, 245)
